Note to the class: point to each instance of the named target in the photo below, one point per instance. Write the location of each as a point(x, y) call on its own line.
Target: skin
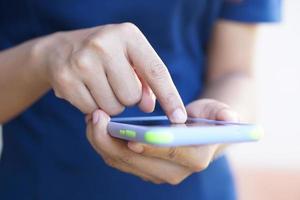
point(156, 164)
point(107, 67)
point(83, 67)
point(227, 79)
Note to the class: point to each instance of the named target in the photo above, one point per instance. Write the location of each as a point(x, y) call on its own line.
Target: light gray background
point(277, 69)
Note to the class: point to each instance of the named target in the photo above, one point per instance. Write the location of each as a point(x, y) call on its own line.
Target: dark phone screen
point(163, 121)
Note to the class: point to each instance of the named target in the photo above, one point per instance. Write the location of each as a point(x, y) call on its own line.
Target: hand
point(108, 67)
point(156, 164)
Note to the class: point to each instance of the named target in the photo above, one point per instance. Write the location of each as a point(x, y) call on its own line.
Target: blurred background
point(270, 169)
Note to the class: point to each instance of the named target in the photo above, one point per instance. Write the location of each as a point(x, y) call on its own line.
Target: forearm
point(21, 83)
point(236, 90)
point(229, 77)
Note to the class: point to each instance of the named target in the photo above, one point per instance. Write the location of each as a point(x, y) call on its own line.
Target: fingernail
point(136, 147)
point(178, 116)
point(96, 117)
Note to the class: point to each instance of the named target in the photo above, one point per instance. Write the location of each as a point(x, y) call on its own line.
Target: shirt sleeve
point(252, 11)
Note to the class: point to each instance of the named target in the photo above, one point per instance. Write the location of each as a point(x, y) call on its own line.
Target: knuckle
point(157, 70)
point(129, 28)
point(132, 97)
point(63, 79)
point(80, 61)
point(96, 42)
point(100, 43)
point(114, 110)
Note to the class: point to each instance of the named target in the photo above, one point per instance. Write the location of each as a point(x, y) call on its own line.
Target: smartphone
point(158, 131)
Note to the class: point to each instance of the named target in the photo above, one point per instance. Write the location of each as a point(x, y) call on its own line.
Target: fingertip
point(99, 116)
point(227, 115)
point(178, 116)
point(104, 115)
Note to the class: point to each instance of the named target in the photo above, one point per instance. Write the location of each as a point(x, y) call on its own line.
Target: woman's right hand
point(108, 67)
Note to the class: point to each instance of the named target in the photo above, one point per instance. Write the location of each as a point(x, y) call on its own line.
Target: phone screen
point(163, 121)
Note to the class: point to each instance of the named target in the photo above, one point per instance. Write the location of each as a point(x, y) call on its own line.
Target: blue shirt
point(46, 154)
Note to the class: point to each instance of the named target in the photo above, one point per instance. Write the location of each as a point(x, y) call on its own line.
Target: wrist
point(39, 49)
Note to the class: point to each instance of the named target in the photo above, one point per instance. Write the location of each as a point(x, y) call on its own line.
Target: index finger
point(151, 68)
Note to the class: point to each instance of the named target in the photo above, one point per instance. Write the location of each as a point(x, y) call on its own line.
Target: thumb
point(99, 124)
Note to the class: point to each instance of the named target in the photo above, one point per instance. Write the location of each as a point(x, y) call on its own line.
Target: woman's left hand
point(194, 158)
